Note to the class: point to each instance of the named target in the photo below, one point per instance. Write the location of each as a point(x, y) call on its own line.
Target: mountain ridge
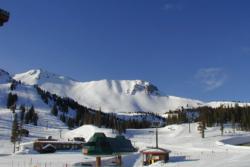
point(110, 95)
point(119, 96)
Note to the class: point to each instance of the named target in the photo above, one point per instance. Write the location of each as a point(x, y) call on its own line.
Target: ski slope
point(188, 149)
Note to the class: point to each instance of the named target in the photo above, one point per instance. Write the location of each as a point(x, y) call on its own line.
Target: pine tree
point(14, 132)
point(13, 85)
point(201, 128)
point(54, 110)
point(98, 118)
point(202, 124)
point(70, 123)
point(31, 116)
point(11, 100)
point(35, 118)
point(233, 121)
point(22, 113)
point(222, 128)
point(63, 118)
point(27, 118)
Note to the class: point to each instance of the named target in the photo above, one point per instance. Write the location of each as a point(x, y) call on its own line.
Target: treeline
point(237, 116)
point(84, 115)
point(148, 116)
point(26, 115)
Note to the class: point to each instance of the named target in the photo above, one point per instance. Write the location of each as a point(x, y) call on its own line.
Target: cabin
point(46, 145)
point(4, 16)
point(152, 154)
point(99, 145)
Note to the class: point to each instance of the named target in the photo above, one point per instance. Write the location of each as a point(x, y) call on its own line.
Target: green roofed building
point(100, 145)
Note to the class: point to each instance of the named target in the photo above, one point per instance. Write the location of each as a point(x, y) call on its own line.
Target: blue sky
point(191, 48)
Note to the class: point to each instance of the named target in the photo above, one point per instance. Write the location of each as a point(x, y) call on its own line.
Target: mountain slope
point(109, 95)
point(4, 76)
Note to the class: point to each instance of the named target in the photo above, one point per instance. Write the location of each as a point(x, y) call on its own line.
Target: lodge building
point(52, 145)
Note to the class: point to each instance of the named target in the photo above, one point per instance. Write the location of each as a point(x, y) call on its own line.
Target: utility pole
point(156, 124)
point(60, 131)
point(156, 137)
point(189, 129)
point(47, 125)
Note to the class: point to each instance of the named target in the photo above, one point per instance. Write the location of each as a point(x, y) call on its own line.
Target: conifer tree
point(22, 112)
point(54, 110)
point(35, 118)
point(222, 128)
point(13, 85)
point(98, 118)
point(14, 132)
point(202, 124)
point(11, 100)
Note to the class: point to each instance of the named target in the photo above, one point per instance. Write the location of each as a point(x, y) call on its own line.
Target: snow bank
point(86, 131)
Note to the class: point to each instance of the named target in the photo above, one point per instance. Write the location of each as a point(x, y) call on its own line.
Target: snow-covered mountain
point(28, 96)
point(109, 95)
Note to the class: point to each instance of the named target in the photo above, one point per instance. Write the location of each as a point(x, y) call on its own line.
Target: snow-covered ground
point(188, 149)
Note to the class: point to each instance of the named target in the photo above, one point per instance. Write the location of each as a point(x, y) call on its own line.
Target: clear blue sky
point(191, 48)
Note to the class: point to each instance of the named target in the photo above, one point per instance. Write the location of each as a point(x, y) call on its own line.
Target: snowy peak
point(4, 76)
point(144, 86)
point(40, 76)
point(128, 87)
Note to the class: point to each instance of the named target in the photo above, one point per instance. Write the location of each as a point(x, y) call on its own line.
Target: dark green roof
point(99, 144)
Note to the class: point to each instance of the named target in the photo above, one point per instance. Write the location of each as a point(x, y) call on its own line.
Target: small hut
point(153, 154)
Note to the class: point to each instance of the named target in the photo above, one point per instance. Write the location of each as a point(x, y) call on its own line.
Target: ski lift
point(4, 17)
